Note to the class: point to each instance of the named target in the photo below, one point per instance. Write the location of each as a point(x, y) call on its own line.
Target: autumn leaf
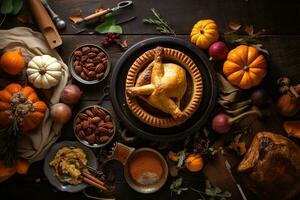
point(99, 9)
point(249, 29)
point(260, 48)
point(75, 18)
point(237, 145)
point(234, 26)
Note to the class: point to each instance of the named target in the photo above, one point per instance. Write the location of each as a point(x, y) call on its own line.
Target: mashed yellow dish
point(69, 163)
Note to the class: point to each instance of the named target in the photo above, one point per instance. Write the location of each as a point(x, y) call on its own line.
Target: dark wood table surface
point(280, 19)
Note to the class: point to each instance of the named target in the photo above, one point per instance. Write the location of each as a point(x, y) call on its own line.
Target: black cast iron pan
point(133, 124)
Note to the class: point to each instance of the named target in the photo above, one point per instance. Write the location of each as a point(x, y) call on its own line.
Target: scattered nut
point(82, 116)
point(91, 139)
point(103, 139)
point(89, 113)
point(96, 120)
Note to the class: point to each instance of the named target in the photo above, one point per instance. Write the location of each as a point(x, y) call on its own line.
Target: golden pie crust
point(196, 95)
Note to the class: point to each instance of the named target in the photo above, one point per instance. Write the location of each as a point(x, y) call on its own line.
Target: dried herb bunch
point(238, 34)
point(212, 193)
point(203, 145)
point(161, 25)
point(9, 142)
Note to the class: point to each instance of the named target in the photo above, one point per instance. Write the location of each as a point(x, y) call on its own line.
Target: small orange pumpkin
point(20, 166)
point(245, 67)
point(22, 105)
point(12, 62)
point(194, 163)
point(6, 171)
point(204, 33)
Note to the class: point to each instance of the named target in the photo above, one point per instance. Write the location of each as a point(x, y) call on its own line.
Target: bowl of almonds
point(94, 126)
point(89, 64)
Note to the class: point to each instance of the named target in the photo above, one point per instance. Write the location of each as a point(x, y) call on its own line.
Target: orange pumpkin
point(204, 33)
point(245, 67)
point(22, 105)
point(20, 166)
point(6, 171)
point(12, 62)
point(194, 163)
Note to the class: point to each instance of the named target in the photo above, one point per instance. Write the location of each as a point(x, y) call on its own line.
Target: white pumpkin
point(44, 71)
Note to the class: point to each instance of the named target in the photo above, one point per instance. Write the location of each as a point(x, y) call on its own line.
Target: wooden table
point(281, 38)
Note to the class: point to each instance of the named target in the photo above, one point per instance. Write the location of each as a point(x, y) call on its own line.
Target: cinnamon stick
point(89, 176)
point(95, 184)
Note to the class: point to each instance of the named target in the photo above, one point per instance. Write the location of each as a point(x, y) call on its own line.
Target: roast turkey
point(271, 167)
point(167, 86)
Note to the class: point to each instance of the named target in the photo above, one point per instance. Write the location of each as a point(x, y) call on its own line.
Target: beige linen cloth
point(33, 44)
point(231, 97)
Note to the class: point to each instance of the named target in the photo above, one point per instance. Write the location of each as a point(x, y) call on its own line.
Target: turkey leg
point(141, 90)
point(166, 104)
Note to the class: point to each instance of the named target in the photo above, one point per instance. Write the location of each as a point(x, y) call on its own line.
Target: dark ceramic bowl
point(84, 141)
point(77, 77)
point(49, 171)
point(200, 116)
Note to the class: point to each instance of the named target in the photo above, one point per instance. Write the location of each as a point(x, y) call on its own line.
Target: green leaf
point(177, 183)
point(110, 28)
point(109, 25)
point(180, 190)
point(210, 192)
point(6, 7)
point(227, 194)
point(110, 19)
point(217, 190)
point(17, 6)
point(176, 186)
point(207, 184)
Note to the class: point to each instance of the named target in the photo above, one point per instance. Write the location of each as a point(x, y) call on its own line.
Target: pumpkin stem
point(246, 68)
point(201, 31)
point(42, 70)
point(19, 51)
point(20, 107)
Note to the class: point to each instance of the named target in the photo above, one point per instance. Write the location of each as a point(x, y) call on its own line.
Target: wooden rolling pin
point(45, 23)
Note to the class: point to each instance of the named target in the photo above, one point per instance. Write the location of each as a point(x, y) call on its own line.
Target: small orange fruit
point(12, 62)
point(194, 163)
